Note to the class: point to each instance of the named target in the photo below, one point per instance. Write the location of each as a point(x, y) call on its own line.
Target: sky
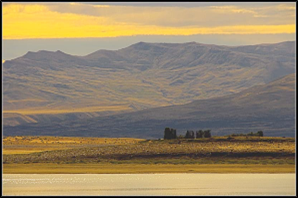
point(82, 28)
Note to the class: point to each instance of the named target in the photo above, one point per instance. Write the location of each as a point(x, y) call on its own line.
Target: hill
point(49, 86)
point(269, 107)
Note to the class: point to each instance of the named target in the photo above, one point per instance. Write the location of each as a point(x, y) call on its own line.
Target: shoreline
point(50, 168)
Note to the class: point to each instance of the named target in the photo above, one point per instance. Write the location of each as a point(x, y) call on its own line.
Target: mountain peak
point(59, 52)
point(141, 44)
point(44, 54)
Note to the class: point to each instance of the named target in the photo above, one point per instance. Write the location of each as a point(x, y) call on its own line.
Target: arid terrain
point(269, 107)
point(51, 89)
point(34, 154)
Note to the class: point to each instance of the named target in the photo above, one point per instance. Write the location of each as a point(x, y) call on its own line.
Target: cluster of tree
point(189, 134)
point(259, 133)
point(199, 134)
point(170, 133)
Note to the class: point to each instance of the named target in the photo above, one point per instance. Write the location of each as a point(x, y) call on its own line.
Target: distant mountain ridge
point(55, 86)
point(269, 107)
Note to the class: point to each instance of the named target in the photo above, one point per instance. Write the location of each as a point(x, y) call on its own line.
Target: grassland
point(126, 155)
point(36, 144)
point(82, 168)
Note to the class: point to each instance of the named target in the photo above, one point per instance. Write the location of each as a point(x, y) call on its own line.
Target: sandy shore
point(51, 168)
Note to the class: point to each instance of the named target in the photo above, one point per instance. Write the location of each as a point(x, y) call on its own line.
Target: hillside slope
point(141, 76)
point(269, 107)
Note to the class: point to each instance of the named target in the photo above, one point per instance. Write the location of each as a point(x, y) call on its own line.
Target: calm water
point(149, 184)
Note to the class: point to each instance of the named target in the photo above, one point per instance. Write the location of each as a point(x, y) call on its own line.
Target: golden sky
point(82, 20)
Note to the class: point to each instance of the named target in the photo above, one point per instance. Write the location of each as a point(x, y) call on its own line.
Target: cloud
point(207, 16)
point(286, 7)
point(178, 4)
point(77, 20)
point(233, 9)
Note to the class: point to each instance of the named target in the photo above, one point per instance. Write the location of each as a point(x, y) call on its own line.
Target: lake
point(149, 184)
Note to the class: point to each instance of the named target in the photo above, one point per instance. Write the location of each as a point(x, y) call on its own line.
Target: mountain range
point(270, 108)
point(47, 88)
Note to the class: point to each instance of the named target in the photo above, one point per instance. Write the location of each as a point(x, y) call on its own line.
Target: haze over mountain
point(46, 87)
point(269, 107)
point(140, 76)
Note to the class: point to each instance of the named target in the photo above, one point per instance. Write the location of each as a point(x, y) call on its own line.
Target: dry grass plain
point(35, 144)
point(33, 154)
point(82, 168)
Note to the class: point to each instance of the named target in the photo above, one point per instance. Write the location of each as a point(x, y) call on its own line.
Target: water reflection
point(149, 184)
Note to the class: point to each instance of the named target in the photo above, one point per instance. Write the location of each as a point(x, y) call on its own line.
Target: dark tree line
point(259, 133)
point(170, 133)
point(189, 134)
point(199, 134)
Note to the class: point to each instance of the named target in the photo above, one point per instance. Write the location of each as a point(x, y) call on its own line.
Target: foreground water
point(148, 184)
